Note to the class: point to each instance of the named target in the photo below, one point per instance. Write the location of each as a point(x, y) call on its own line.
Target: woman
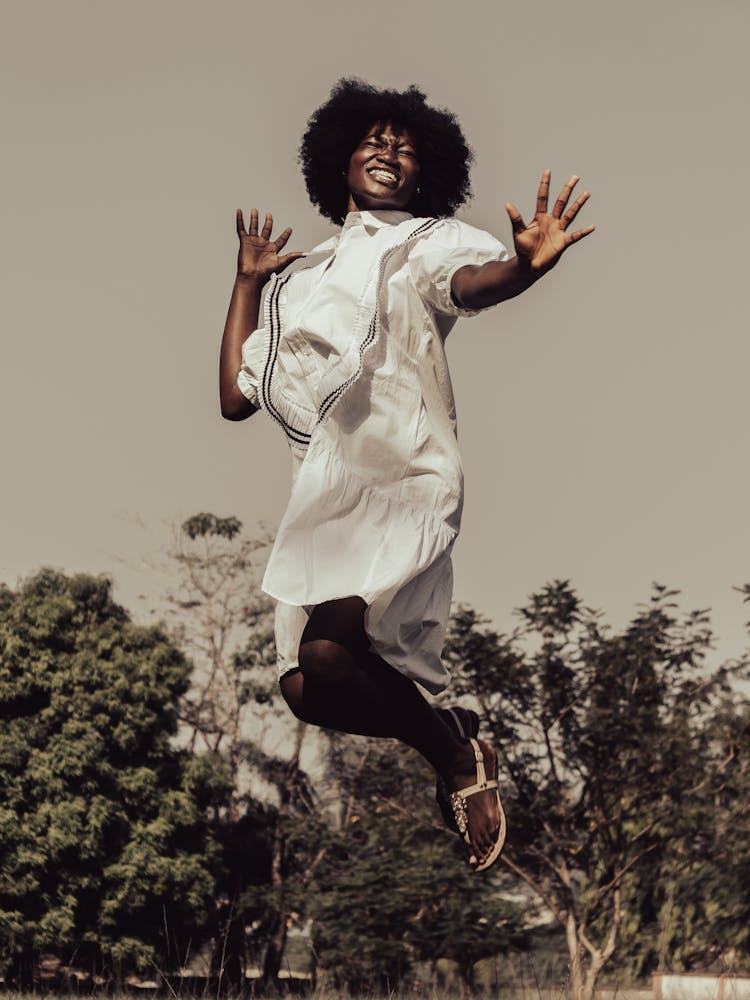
point(350, 363)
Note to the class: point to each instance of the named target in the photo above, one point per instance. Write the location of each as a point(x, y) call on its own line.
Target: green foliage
point(605, 752)
point(700, 890)
point(103, 834)
point(202, 525)
point(394, 886)
point(221, 620)
point(624, 765)
point(219, 617)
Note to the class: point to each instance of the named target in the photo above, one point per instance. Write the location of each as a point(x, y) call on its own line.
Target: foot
point(484, 820)
point(464, 723)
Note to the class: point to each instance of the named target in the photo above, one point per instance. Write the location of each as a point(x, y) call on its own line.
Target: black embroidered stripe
point(294, 434)
point(273, 322)
point(333, 397)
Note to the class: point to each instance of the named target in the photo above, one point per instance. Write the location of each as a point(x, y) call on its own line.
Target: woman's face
point(383, 170)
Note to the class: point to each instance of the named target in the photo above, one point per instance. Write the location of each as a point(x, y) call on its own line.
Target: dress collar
point(371, 221)
point(375, 220)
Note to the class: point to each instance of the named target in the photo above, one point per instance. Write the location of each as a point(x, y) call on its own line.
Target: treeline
point(157, 800)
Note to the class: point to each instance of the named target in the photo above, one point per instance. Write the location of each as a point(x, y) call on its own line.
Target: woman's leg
point(342, 685)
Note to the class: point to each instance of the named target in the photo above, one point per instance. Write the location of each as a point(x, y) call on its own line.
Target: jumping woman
point(349, 360)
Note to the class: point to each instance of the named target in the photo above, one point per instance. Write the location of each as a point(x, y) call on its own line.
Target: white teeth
point(383, 175)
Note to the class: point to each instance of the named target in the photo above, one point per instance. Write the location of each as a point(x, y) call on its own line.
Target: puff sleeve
point(251, 371)
point(434, 260)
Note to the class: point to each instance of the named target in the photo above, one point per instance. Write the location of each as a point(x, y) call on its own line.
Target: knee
point(323, 661)
point(291, 690)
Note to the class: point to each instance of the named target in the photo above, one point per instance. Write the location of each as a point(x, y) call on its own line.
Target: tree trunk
point(592, 976)
point(275, 951)
point(575, 965)
point(582, 980)
point(277, 940)
point(583, 984)
point(228, 962)
point(466, 971)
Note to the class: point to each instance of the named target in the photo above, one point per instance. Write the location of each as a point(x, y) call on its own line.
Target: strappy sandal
point(464, 723)
point(460, 812)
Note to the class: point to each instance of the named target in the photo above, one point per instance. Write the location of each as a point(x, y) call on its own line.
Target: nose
point(388, 154)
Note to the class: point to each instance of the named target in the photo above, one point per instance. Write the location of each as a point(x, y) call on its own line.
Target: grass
point(517, 992)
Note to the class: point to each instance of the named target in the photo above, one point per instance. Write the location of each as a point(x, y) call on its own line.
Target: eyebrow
point(387, 141)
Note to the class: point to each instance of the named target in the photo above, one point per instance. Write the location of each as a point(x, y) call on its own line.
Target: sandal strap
point(457, 722)
point(475, 789)
point(482, 784)
point(479, 759)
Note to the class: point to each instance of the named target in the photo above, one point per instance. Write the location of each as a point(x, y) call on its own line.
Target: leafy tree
point(601, 738)
point(221, 619)
point(224, 623)
point(699, 892)
point(296, 847)
point(393, 886)
point(105, 852)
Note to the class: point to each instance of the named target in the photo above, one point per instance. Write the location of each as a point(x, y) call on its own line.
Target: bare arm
point(539, 245)
point(242, 320)
point(257, 260)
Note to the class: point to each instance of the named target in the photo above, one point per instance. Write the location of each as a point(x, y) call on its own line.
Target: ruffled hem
point(374, 545)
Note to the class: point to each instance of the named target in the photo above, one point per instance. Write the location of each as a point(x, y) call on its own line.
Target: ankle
point(459, 760)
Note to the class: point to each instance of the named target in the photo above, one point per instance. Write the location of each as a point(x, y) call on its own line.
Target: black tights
point(341, 684)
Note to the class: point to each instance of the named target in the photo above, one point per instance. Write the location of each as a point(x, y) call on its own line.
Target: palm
point(258, 254)
point(541, 243)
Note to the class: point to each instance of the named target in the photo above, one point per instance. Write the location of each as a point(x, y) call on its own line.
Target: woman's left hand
point(541, 243)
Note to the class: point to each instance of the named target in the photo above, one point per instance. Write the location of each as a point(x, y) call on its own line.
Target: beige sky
point(603, 414)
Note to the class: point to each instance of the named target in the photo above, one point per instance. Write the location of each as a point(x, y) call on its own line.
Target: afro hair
point(338, 126)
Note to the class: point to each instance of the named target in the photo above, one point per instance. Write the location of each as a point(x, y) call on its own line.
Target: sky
point(602, 414)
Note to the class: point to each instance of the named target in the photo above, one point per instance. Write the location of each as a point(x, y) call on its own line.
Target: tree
point(222, 620)
point(393, 886)
point(224, 623)
point(700, 891)
point(602, 752)
point(106, 852)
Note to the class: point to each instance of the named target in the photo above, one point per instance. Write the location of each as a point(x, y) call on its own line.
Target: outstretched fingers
point(265, 233)
point(516, 219)
point(282, 238)
point(579, 234)
point(289, 258)
point(563, 197)
point(574, 209)
point(542, 195)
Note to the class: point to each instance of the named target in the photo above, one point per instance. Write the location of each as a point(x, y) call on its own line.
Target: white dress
point(350, 362)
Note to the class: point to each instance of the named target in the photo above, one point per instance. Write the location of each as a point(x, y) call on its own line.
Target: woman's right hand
point(258, 255)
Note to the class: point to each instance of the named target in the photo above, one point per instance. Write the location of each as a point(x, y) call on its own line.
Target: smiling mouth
point(384, 176)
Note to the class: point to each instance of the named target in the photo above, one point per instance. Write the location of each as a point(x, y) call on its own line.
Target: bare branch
point(585, 941)
point(560, 870)
point(308, 873)
point(609, 947)
point(347, 818)
point(534, 885)
point(617, 880)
